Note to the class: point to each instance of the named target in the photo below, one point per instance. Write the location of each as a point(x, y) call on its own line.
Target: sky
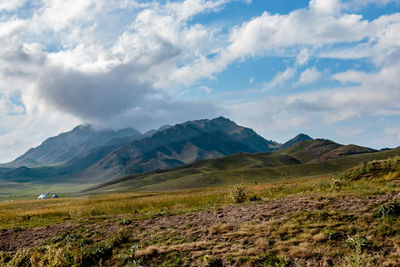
point(327, 68)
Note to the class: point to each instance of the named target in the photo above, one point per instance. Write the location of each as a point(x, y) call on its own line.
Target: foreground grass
point(313, 221)
point(31, 213)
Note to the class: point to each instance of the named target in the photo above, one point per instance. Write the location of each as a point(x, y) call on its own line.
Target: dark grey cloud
point(117, 98)
point(92, 96)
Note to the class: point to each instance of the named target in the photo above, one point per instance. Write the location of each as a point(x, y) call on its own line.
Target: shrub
point(332, 235)
point(211, 261)
point(4, 258)
point(238, 193)
point(358, 243)
point(335, 184)
point(391, 209)
point(255, 198)
point(357, 257)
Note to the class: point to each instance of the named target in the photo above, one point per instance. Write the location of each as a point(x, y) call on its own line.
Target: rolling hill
point(308, 158)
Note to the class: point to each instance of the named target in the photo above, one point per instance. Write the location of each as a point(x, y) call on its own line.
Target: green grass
point(18, 191)
point(240, 168)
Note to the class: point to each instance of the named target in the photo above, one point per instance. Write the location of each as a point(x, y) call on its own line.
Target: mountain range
point(89, 155)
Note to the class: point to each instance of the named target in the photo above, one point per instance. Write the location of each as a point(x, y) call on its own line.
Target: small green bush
point(333, 235)
point(358, 243)
point(238, 193)
point(391, 209)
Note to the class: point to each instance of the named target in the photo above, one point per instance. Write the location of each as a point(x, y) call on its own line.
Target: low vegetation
point(390, 168)
point(238, 193)
point(351, 220)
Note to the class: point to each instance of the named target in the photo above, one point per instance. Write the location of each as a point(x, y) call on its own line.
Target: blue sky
point(328, 68)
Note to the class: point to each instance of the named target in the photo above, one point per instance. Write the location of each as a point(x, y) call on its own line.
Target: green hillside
point(298, 161)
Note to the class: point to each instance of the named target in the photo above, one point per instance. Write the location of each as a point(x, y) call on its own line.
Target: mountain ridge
point(127, 152)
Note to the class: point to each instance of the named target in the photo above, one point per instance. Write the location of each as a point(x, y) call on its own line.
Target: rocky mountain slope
point(61, 148)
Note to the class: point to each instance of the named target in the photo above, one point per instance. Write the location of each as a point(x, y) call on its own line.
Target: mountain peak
point(297, 139)
point(221, 119)
point(82, 127)
point(303, 137)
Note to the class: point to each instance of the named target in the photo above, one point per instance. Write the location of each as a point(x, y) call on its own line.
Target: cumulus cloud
point(376, 94)
point(309, 76)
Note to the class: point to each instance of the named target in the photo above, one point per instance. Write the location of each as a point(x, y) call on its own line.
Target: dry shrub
point(238, 193)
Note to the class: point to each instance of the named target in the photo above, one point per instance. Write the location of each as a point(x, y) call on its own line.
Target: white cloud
point(303, 57)
point(206, 89)
point(377, 94)
point(309, 76)
point(189, 8)
point(272, 33)
point(251, 81)
point(10, 5)
point(280, 78)
point(325, 6)
point(393, 132)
